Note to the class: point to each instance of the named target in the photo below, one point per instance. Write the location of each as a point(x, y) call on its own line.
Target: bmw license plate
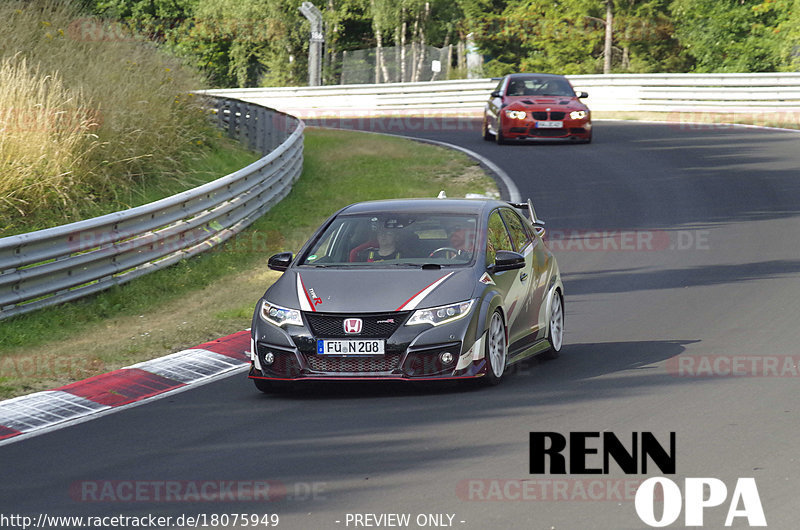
point(549, 124)
point(350, 346)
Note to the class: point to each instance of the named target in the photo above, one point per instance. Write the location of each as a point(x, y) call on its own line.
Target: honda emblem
point(352, 326)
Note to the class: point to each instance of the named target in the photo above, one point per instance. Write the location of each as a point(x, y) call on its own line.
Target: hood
point(529, 102)
point(366, 291)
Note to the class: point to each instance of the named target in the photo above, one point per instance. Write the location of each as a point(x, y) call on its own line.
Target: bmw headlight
point(279, 316)
point(578, 114)
point(440, 315)
point(516, 114)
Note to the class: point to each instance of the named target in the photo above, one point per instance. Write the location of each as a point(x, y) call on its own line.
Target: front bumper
point(412, 365)
point(527, 128)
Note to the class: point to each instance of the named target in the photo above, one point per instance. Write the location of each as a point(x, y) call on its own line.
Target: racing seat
point(363, 246)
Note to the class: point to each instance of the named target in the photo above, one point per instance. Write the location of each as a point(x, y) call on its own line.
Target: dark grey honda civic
point(411, 290)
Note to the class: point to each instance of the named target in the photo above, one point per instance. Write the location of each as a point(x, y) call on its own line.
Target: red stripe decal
point(121, 387)
point(8, 432)
point(418, 292)
point(305, 292)
point(236, 345)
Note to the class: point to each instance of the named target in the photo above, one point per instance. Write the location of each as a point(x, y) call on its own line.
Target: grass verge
point(214, 295)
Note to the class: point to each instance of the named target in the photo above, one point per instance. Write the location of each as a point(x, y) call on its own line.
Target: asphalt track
point(715, 272)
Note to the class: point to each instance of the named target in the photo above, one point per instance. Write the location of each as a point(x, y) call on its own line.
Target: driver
point(462, 238)
point(386, 249)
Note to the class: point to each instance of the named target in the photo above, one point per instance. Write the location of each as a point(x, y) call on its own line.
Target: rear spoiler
point(519, 205)
point(531, 212)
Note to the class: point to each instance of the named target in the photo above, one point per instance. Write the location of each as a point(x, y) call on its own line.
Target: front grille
point(558, 116)
point(539, 116)
point(518, 130)
point(385, 363)
point(548, 133)
point(577, 130)
point(374, 325)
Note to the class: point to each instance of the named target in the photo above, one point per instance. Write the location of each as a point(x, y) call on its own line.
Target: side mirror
point(280, 262)
point(506, 260)
point(582, 95)
point(495, 94)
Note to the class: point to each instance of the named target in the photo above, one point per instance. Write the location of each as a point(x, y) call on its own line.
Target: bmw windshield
point(394, 240)
point(540, 86)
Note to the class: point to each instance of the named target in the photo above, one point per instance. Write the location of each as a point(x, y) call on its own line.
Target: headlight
point(516, 114)
point(440, 315)
point(577, 114)
point(275, 314)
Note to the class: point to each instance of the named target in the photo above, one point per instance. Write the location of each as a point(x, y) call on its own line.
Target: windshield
point(394, 240)
point(539, 86)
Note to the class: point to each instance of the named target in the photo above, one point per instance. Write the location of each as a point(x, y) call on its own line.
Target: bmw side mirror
point(506, 260)
point(582, 95)
point(495, 94)
point(280, 262)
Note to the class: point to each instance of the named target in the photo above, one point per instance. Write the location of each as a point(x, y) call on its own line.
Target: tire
point(555, 328)
point(496, 350)
point(486, 134)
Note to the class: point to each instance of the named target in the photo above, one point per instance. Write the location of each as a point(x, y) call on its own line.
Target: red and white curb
point(34, 414)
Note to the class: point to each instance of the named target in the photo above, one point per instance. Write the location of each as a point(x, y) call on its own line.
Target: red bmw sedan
point(537, 107)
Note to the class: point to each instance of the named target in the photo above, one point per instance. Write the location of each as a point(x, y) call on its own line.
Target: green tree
point(735, 35)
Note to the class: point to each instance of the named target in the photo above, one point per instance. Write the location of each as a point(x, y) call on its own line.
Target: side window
point(518, 233)
point(496, 237)
point(499, 86)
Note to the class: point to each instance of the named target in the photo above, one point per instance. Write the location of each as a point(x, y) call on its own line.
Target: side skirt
point(540, 346)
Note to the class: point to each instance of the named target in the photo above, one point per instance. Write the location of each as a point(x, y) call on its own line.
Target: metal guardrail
point(63, 263)
point(616, 92)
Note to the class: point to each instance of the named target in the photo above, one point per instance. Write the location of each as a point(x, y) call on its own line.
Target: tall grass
point(45, 136)
point(88, 114)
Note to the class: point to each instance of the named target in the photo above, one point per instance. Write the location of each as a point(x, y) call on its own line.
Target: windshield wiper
point(420, 265)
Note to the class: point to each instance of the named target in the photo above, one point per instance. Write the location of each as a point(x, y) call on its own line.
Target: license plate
point(549, 124)
point(350, 347)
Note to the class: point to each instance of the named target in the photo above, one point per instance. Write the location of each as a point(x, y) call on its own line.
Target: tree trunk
point(609, 37)
point(378, 56)
point(414, 50)
point(422, 43)
point(403, 27)
point(461, 57)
